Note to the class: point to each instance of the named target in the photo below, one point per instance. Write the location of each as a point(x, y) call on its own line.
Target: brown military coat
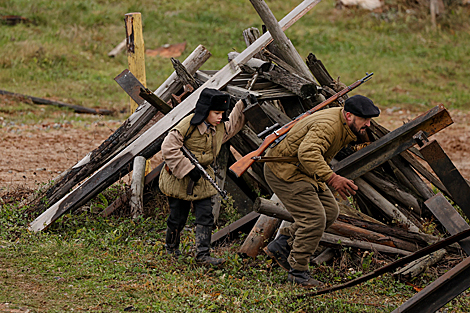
point(314, 140)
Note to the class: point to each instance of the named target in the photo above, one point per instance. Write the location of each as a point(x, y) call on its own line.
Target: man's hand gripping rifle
point(239, 167)
point(203, 172)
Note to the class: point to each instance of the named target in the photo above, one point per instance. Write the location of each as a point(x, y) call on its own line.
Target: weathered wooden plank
point(244, 224)
point(439, 292)
point(383, 204)
point(284, 45)
point(125, 133)
point(277, 210)
point(150, 142)
point(76, 108)
point(393, 143)
point(449, 218)
point(260, 234)
point(448, 174)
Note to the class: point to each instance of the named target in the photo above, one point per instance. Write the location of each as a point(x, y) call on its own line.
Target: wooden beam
point(137, 187)
point(124, 134)
point(135, 50)
point(150, 142)
point(392, 143)
point(60, 104)
point(284, 45)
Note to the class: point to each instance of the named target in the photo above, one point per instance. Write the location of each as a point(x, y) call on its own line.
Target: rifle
point(239, 167)
point(204, 174)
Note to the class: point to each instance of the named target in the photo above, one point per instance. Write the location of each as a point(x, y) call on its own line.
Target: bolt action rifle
point(239, 167)
point(203, 172)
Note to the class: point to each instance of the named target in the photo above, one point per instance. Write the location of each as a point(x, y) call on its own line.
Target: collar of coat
point(204, 126)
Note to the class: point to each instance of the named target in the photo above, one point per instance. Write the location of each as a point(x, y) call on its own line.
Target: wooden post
point(135, 50)
point(149, 142)
point(259, 236)
point(389, 209)
point(136, 56)
point(137, 187)
point(285, 46)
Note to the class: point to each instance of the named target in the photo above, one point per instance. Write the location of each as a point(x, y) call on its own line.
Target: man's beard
point(358, 131)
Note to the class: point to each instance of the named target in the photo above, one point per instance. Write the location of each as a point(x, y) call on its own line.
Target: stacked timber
point(392, 209)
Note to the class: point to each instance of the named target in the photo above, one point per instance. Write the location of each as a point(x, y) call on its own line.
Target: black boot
point(172, 242)
point(303, 279)
point(203, 246)
point(279, 250)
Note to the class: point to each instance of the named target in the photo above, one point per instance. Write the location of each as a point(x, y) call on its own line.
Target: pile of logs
point(393, 209)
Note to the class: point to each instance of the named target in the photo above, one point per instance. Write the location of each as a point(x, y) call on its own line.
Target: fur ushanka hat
point(210, 99)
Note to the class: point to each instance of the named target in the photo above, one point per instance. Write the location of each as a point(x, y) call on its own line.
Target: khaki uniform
point(204, 143)
point(301, 186)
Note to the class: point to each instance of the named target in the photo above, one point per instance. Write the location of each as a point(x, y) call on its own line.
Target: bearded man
point(302, 186)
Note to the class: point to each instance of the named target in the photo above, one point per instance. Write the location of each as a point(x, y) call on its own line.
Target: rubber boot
point(172, 242)
point(279, 251)
point(303, 279)
point(203, 246)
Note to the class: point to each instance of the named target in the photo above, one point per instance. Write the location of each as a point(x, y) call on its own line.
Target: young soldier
point(203, 133)
point(302, 186)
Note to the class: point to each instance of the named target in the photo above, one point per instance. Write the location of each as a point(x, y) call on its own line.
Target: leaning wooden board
point(119, 165)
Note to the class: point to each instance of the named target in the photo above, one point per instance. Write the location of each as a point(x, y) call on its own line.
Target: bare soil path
point(34, 154)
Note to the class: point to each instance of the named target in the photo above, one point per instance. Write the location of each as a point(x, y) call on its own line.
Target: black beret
point(210, 99)
point(361, 106)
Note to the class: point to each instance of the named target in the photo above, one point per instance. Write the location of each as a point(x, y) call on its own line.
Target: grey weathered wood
point(338, 241)
point(393, 190)
point(449, 218)
point(324, 257)
point(274, 58)
point(250, 35)
point(298, 85)
point(149, 143)
point(137, 187)
point(253, 65)
point(413, 177)
point(383, 204)
point(319, 71)
point(184, 75)
point(285, 46)
point(277, 210)
point(125, 133)
point(76, 108)
point(419, 266)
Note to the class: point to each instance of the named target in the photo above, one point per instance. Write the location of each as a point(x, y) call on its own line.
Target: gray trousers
point(313, 212)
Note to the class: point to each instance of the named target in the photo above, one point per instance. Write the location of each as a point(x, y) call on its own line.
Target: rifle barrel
point(240, 167)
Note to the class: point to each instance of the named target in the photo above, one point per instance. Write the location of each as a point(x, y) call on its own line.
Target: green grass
point(107, 265)
point(84, 262)
point(63, 55)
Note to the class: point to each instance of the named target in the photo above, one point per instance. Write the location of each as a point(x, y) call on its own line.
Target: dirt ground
point(34, 154)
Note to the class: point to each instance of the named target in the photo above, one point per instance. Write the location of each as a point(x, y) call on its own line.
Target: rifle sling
point(276, 159)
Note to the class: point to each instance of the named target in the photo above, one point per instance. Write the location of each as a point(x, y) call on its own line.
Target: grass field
point(63, 54)
point(87, 263)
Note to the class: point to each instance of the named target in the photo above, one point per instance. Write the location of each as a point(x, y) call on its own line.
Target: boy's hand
point(194, 175)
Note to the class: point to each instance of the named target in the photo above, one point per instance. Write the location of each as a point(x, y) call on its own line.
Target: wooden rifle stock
point(240, 167)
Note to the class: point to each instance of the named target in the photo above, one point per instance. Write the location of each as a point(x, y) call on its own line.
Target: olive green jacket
point(203, 143)
point(314, 140)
